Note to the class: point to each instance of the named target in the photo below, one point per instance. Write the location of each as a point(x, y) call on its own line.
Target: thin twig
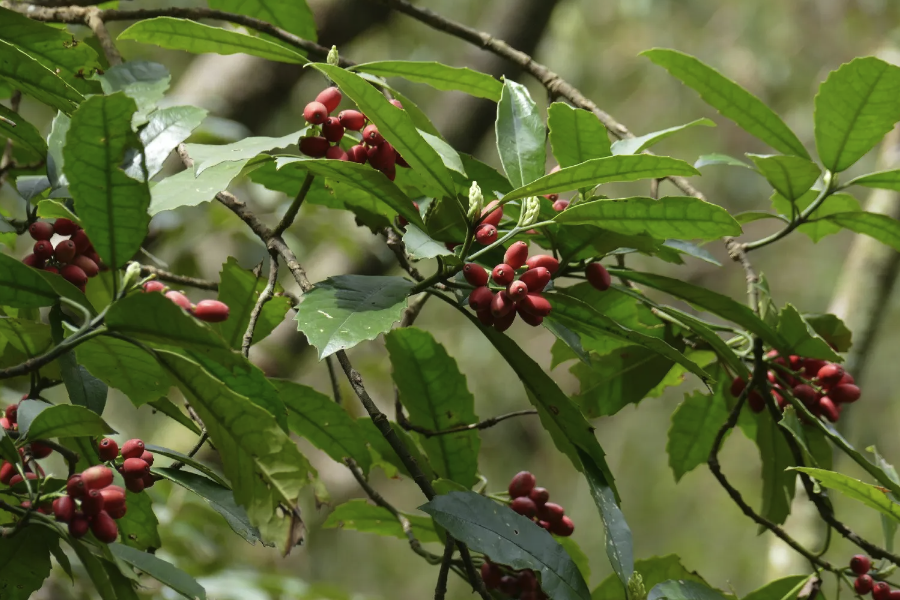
point(168, 277)
point(93, 19)
point(440, 589)
point(264, 297)
point(70, 456)
point(487, 423)
point(294, 208)
point(204, 435)
point(332, 374)
point(396, 245)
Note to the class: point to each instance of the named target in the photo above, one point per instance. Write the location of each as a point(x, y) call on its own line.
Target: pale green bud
point(476, 201)
point(333, 57)
point(531, 211)
point(132, 275)
point(636, 589)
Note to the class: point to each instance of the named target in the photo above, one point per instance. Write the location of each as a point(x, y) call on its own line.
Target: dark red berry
point(12, 412)
point(133, 448)
point(863, 584)
point(81, 241)
point(560, 205)
point(524, 505)
point(516, 255)
point(502, 304)
point(75, 486)
point(65, 227)
point(492, 213)
point(314, 146)
point(358, 154)
point(390, 172)
point(491, 574)
point(332, 130)
point(64, 509)
point(65, 251)
point(43, 249)
point(894, 595)
point(371, 136)
point(92, 503)
point(503, 274)
point(147, 457)
point(536, 305)
point(104, 528)
point(78, 525)
point(33, 261)
point(544, 524)
point(811, 367)
point(598, 276)
point(179, 299)
point(134, 467)
point(860, 564)
point(756, 402)
point(829, 409)
point(40, 230)
point(135, 485)
point(807, 395)
point(532, 320)
point(330, 98)
point(154, 286)
point(509, 585)
point(7, 470)
point(352, 120)
point(485, 317)
point(401, 162)
point(97, 477)
point(551, 512)
point(486, 234)
point(543, 260)
point(315, 113)
point(336, 153)
point(113, 498)
point(539, 495)
point(844, 393)
point(211, 311)
point(475, 274)
point(90, 268)
point(517, 290)
point(737, 386)
point(563, 528)
point(521, 484)
point(830, 374)
point(108, 449)
point(382, 156)
point(881, 591)
point(39, 450)
point(536, 279)
point(74, 275)
point(503, 323)
point(527, 581)
point(149, 480)
point(480, 298)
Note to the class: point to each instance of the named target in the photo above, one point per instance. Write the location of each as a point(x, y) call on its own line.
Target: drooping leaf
point(695, 424)
point(186, 189)
point(872, 496)
point(36, 80)
point(437, 397)
point(832, 329)
point(682, 217)
point(189, 461)
point(438, 76)
point(706, 160)
point(818, 227)
point(143, 81)
point(112, 206)
point(778, 483)
point(23, 134)
point(730, 99)
point(124, 366)
point(420, 246)
point(342, 311)
point(623, 377)
point(576, 135)
point(780, 589)
point(66, 420)
point(25, 561)
point(166, 128)
point(855, 108)
point(791, 176)
point(359, 515)
point(653, 571)
point(509, 539)
point(23, 287)
point(190, 36)
point(636, 145)
point(139, 527)
point(881, 227)
point(164, 572)
point(604, 170)
point(240, 290)
point(521, 135)
point(295, 17)
point(801, 338)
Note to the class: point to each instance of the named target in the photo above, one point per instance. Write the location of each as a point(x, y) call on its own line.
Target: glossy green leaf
point(397, 128)
point(722, 350)
point(684, 590)
point(143, 81)
point(448, 155)
point(438, 76)
point(488, 178)
point(801, 338)
point(521, 135)
point(55, 209)
point(780, 589)
point(186, 189)
point(139, 527)
point(832, 329)
point(359, 515)
point(791, 176)
point(189, 461)
point(316, 417)
point(190, 36)
point(755, 215)
point(124, 366)
point(420, 245)
point(23, 134)
point(209, 155)
point(240, 290)
point(509, 539)
point(295, 16)
point(881, 227)
point(577, 555)
point(67, 420)
point(166, 128)
point(164, 572)
point(28, 337)
point(778, 484)
point(36, 80)
point(623, 377)
point(682, 217)
point(25, 561)
point(872, 496)
point(855, 108)
point(809, 440)
point(695, 424)
point(83, 388)
point(437, 397)
point(156, 318)
point(653, 571)
point(638, 144)
point(706, 160)
point(576, 135)
point(23, 287)
point(342, 311)
point(604, 170)
point(106, 577)
point(730, 99)
point(888, 525)
point(112, 206)
point(819, 227)
point(168, 408)
point(886, 180)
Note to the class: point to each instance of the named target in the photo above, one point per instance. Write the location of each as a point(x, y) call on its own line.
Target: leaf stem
point(803, 217)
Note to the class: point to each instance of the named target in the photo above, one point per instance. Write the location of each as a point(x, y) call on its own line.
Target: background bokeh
point(778, 50)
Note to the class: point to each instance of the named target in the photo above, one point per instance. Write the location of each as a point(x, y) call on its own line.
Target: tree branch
point(440, 589)
point(264, 297)
point(94, 20)
point(294, 208)
point(487, 423)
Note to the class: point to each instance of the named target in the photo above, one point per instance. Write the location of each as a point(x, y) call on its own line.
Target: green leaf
point(168, 408)
point(156, 318)
point(855, 108)
point(264, 466)
point(380, 445)
point(25, 562)
point(881, 227)
point(778, 484)
point(653, 571)
point(55, 209)
point(791, 176)
point(100, 573)
point(750, 216)
point(59, 129)
point(576, 135)
point(577, 555)
point(682, 217)
point(240, 290)
point(84, 389)
point(397, 128)
point(623, 377)
point(36, 80)
point(342, 311)
point(779, 589)
point(419, 245)
point(124, 366)
point(190, 36)
point(636, 145)
point(143, 81)
point(28, 337)
point(872, 496)
point(809, 439)
point(189, 461)
point(801, 338)
point(695, 424)
point(324, 423)
point(684, 590)
point(160, 570)
point(706, 160)
point(294, 17)
point(23, 134)
point(23, 287)
point(112, 206)
point(166, 128)
point(819, 227)
point(722, 350)
point(449, 156)
point(139, 527)
point(604, 170)
point(509, 539)
point(437, 397)
point(888, 525)
point(521, 135)
point(438, 76)
point(186, 189)
point(832, 330)
point(66, 420)
point(359, 515)
point(209, 155)
point(886, 180)
point(730, 99)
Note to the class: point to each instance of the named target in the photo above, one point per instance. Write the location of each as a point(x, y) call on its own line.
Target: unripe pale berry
point(211, 311)
point(486, 234)
point(863, 584)
point(502, 304)
point(92, 503)
point(516, 255)
point(881, 591)
point(524, 505)
point(352, 120)
point(81, 241)
point(74, 275)
point(332, 130)
point(43, 249)
point(65, 251)
point(134, 467)
point(371, 136)
point(503, 323)
point(132, 448)
point(563, 528)
point(536, 279)
point(40, 230)
point(330, 98)
point(543, 260)
point(844, 393)
point(830, 374)
point(539, 495)
point(517, 290)
point(598, 276)
point(78, 525)
point(315, 113)
point(529, 318)
point(64, 509)
point(314, 146)
point(90, 268)
point(828, 408)
point(521, 484)
point(503, 274)
point(560, 205)
point(860, 564)
point(104, 528)
point(396, 103)
point(65, 227)
point(75, 486)
point(154, 286)
point(97, 477)
point(475, 274)
point(179, 299)
point(536, 305)
point(492, 213)
point(358, 154)
point(108, 449)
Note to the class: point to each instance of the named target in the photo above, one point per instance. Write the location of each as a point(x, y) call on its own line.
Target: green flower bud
point(530, 211)
point(476, 201)
point(333, 57)
point(132, 276)
point(636, 589)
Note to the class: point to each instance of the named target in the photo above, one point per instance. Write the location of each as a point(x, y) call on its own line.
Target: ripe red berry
point(147, 457)
point(92, 503)
point(135, 485)
point(830, 374)
point(78, 525)
point(396, 103)
point(18, 478)
point(480, 298)
point(390, 172)
point(881, 591)
point(352, 120)
point(544, 524)
point(527, 581)
point(33, 261)
point(598, 276)
point(543, 260)
point(517, 290)
point(756, 402)
point(75, 486)
point(149, 480)
point(43, 249)
point(536, 305)
point(551, 512)
point(330, 98)
point(108, 449)
point(806, 394)
point(154, 286)
point(521, 484)
point(113, 497)
point(97, 477)
point(382, 156)
point(860, 564)
point(74, 275)
point(502, 304)
point(332, 130)
point(12, 412)
point(530, 319)
point(118, 512)
point(475, 274)
point(737, 386)
point(560, 205)
point(828, 408)
point(104, 528)
point(371, 136)
point(90, 268)
point(133, 448)
point(844, 393)
point(486, 234)
point(65, 251)
point(7, 471)
point(65, 227)
point(40, 230)
point(401, 162)
point(134, 467)
point(81, 241)
point(315, 113)
point(563, 528)
point(552, 197)
point(509, 585)
point(358, 154)
point(211, 311)
point(492, 213)
point(503, 323)
point(179, 299)
point(491, 574)
point(503, 274)
point(811, 367)
point(64, 509)
point(314, 146)
point(536, 279)
point(539, 495)
point(863, 584)
point(485, 316)
point(516, 255)
point(524, 505)
point(39, 450)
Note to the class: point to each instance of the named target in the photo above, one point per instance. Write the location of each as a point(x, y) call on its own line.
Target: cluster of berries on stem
point(326, 134)
point(211, 311)
point(74, 258)
point(533, 502)
point(865, 584)
point(523, 584)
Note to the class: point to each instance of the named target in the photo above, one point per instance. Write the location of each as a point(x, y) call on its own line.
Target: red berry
point(65, 251)
point(552, 197)
point(330, 98)
point(133, 448)
point(860, 564)
point(830, 374)
point(756, 402)
point(74, 275)
point(811, 367)
point(503, 323)
point(18, 478)
point(92, 503)
point(211, 311)
point(104, 528)
point(358, 154)
point(7, 472)
point(43, 249)
point(149, 480)
point(543, 260)
point(863, 584)
point(536, 279)
point(516, 255)
point(517, 290)
point(154, 286)
point(806, 394)
point(532, 320)
point(475, 274)
point(527, 581)
point(828, 408)
point(502, 304)
point(539, 495)
point(491, 574)
point(396, 103)
point(551, 512)
point(521, 484)
point(40, 230)
point(75, 486)
point(108, 449)
point(524, 505)
point(332, 130)
point(544, 524)
point(492, 213)
point(371, 136)
point(315, 113)
point(135, 485)
point(881, 591)
point(382, 156)
point(90, 268)
point(12, 412)
point(563, 528)
point(536, 305)
point(179, 299)
point(844, 393)
point(134, 467)
point(5, 424)
point(737, 386)
point(52, 269)
point(65, 227)
point(352, 120)
point(78, 525)
point(598, 276)
point(81, 241)
point(509, 585)
point(39, 450)
point(894, 595)
point(314, 146)
point(401, 162)
point(113, 497)
point(485, 316)
point(480, 298)
point(560, 205)
point(118, 512)
point(486, 234)
point(390, 172)
point(147, 457)
point(64, 509)
point(33, 261)
point(780, 400)
point(97, 477)
point(503, 274)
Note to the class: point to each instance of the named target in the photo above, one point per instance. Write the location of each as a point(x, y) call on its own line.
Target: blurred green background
point(778, 50)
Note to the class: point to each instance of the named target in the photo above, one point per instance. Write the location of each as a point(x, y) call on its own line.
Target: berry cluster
point(864, 584)
point(822, 386)
point(532, 502)
point(136, 462)
point(515, 584)
point(8, 473)
point(327, 132)
point(73, 258)
point(211, 311)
